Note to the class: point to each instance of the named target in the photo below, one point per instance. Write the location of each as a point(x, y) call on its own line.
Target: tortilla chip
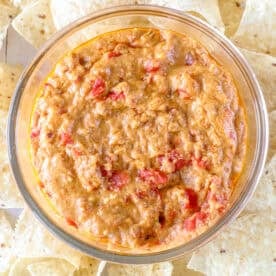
point(161, 269)
point(209, 9)
point(35, 23)
point(264, 67)
point(51, 267)
point(231, 12)
point(272, 134)
point(32, 240)
point(180, 267)
point(19, 267)
point(134, 270)
point(90, 267)
point(65, 12)
point(7, 13)
point(91, 271)
point(246, 247)
point(7, 3)
point(9, 196)
point(6, 242)
point(264, 198)
point(257, 30)
point(22, 3)
point(9, 75)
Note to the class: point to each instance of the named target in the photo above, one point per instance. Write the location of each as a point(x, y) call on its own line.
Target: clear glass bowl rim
point(210, 233)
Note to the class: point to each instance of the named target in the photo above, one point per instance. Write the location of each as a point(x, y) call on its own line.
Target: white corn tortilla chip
point(162, 269)
point(257, 30)
point(209, 9)
point(22, 3)
point(9, 75)
point(246, 247)
point(264, 66)
point(272, 134)
point(19, 266)
point(51, 267)
point(32, 240)
point(134, 270)
point(9, 196)
point(7, 3)
point(7, 13)
point(264, 198)
point(6, 242)
point(65, 12)
point(35, 23)
point(90, 266)
point(231, 12)
point(180, 267)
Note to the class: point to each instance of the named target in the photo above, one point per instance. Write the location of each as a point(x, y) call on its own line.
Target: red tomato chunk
point(98, 88)
point(66, 138)
point(118, 180)
point(152, 176)
point(116, 96)
point(114, 54)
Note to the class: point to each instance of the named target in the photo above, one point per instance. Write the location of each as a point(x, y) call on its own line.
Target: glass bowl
point(117, 18)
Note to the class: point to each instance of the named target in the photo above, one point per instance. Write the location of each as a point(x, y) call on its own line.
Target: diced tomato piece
point(221, 209)
point(116, 96)
point(77, 152)
point(173, 155)
point(114, 54)
point(190, 224)
point(151, 66)
point(117, 180)
point(141, 194)
point(66, 138)
point(179, 164)
point(184, 94)
point(35, 133)
point(192, 199)
point(201, 217)
point(175, 158)
point(98, 88)
point(178, 160)
point(204, 164)
point(152, 176)
point(71, 222)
